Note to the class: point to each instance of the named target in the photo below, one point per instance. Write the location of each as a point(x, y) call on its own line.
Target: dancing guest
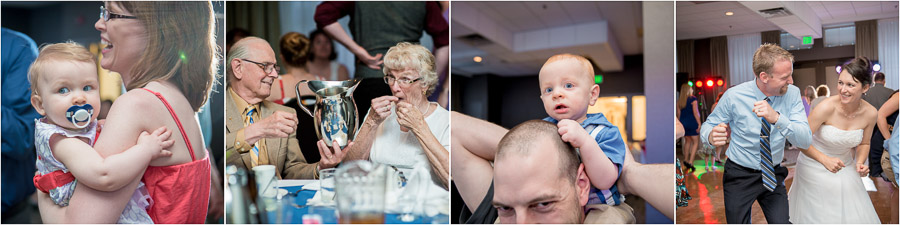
point(322, 58)
point(877, 96)
point(761, 114)
point(889, 159)
point(842, 123)
point(689, 116)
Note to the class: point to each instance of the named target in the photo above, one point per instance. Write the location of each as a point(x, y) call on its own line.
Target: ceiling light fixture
point(729, 13)
point(477, 59)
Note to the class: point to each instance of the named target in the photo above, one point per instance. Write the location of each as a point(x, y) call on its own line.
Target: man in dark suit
point(259, 132)
point(877, 95)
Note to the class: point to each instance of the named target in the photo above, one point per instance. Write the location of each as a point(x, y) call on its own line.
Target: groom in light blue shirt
point(758, 116)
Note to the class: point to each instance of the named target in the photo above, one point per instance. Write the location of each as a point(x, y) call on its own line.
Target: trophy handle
point(299, 100)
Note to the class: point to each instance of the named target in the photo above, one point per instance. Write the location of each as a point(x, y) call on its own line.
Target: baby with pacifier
point(65, 92)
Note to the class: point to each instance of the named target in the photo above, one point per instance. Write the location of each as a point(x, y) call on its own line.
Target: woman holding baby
point(165, 53)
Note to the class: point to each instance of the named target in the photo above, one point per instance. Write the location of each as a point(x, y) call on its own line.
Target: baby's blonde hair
point(54, 53)
point(585, 63)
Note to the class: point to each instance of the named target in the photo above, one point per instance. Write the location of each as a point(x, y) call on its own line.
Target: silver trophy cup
point(335, 112)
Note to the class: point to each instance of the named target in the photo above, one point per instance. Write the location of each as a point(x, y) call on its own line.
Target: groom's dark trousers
point(743, 185)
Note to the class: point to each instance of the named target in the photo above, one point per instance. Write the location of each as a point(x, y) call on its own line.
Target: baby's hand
point(157, 142)
point(573, 133)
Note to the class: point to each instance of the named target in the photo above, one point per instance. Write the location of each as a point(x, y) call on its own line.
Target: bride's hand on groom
point(863, 169)
point(831, 164)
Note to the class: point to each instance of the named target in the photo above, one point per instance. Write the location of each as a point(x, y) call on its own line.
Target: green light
point(807, 40)
point(183, 57)
point(690, 83)
point(598, 79)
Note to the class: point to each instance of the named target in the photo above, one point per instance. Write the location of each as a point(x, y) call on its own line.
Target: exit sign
point(808, 40)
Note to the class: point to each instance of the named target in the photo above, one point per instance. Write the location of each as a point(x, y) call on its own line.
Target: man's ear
point(595, 93)
point(764, 77)
point(583, 185)
point(37, 103)
point(235, 68)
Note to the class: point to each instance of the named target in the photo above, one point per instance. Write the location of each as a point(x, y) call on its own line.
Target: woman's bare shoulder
point(135, 100)
point(869, 111)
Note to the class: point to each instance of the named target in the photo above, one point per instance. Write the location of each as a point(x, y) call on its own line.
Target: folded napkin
point(869, 184)
point(420, 196)
point(316, 200)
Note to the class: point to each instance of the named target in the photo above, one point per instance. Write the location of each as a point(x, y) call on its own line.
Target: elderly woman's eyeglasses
point(266, 67)
point(106, 15)
point(389, 80)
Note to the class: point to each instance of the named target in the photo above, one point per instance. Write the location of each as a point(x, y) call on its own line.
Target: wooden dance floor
point(708, 206)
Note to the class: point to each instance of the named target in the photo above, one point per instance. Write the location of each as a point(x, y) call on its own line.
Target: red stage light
point(720, 82)
point(699, 84)
point(709, 83)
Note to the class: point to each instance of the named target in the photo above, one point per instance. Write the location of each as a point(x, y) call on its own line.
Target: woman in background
point(822, 92)
point(294, 52)
point(809, 94)
point(321, 61)
point(689, 116)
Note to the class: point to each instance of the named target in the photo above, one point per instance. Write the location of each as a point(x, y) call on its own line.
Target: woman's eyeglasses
point(389, 80)
point(266, 67)
point(106, 15)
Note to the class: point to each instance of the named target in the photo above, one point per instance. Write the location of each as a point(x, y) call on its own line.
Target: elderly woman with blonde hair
point(405, 129)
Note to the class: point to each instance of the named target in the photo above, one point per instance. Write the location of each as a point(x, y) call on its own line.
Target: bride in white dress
point(827, 187)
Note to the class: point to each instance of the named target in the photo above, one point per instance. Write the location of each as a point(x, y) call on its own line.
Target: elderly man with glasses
point(260, 132)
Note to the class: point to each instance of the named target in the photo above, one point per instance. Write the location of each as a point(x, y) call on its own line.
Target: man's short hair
point(879, 77)
point(766, 56)
point(240, 50)
point(521, 140)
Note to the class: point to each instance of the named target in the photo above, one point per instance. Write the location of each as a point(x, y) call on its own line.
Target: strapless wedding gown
point(818, 196)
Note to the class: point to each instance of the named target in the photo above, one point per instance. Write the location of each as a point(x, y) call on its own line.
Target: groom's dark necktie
point(765, 154)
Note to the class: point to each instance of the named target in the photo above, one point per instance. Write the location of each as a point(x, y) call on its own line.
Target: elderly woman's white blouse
point(402, 149)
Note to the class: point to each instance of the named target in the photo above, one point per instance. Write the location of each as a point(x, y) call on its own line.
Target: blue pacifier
point(80, 114)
